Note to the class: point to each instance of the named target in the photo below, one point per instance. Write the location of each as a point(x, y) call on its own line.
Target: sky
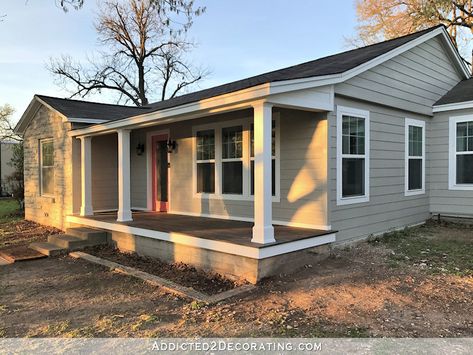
point(236, 39)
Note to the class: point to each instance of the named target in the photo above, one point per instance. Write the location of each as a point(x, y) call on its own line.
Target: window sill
point(352, 200)
point(466, 187)
point(414, 192)
point(49, 198)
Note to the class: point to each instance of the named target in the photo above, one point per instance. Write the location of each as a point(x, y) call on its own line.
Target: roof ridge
point(90, 102)
point(304, 63)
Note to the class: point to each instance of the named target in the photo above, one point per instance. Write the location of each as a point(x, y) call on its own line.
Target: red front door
point(160, 173)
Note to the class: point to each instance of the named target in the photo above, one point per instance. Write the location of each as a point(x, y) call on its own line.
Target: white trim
point(452, 153)
point(220, 246)
point(85, 120)
point(242, 99)
point(86, 208)
point(349, 111)
point(421, 124)
point(453, 107)
point(217, 128)
point(249, 219)
point(41, 142)
point(124, 177)
point(149, 171)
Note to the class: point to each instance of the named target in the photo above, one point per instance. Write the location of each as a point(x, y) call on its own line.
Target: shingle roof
point(333, 64)
point(91, 110)
point(462, 92)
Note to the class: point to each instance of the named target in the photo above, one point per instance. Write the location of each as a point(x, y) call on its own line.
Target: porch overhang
point(280, 94)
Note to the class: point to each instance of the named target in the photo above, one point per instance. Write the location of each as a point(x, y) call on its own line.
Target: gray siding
point(387, 208)
point(443, 200)
point(105, 172)
point(412, 81)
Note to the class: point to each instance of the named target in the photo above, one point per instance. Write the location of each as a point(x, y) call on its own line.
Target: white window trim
point(41, 142)
point(217, 127)
point(349, 111)
point(421, 124)
point(452, 153)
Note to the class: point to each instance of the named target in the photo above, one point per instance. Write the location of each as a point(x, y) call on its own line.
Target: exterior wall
point(48, 210)
point(6, 151)
point(442, 200)
point(105, 172)
point(387, 207)
point(413, 81)
point(303, 168)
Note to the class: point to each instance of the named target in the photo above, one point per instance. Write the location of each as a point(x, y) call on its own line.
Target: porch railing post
point(124, 192)
point(86, 176)
point(263, 231)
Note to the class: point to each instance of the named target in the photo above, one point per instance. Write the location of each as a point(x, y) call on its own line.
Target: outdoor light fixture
point(140, 149)
point(171, 145)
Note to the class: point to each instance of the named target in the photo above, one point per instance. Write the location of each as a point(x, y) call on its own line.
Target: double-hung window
point(224, 160)
point(461, 153)
point(414, 157)
point(47, 167)
point(352, 155)
point(205, 150)
point(232, 160)
point(273, 158)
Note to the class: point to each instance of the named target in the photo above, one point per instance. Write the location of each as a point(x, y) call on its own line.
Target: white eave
point(453, 106)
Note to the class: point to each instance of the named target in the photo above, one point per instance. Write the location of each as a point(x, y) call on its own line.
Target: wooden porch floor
point(235, 232)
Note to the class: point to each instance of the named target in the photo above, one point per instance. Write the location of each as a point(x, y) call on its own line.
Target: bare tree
point(144, 52)
point(6, 124)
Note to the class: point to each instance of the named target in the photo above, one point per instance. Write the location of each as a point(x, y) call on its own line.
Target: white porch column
point(263, 231)
point(86, 176)
point(124, 194)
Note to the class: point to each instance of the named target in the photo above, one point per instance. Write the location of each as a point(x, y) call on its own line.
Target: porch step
point(96, 236)
point(69, 242)
point(48, 249)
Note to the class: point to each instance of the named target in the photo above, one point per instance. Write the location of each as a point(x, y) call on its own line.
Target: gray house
point(247, 177)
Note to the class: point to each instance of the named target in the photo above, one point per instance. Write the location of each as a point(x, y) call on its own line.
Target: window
point(352, 155)
point(273, 155)
point(47, 167)
point(461, 153)
point(232, 160)
point(205, 144)
point(224, 159)
point(414, 157)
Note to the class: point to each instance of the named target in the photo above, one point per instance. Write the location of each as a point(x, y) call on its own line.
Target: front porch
point(220, 245)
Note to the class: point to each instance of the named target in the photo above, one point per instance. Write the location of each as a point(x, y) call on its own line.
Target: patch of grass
point(9, 210)
point(142, 321)
point(51, 330)
point(322, 331)
point(3, 333)
point(429, 248)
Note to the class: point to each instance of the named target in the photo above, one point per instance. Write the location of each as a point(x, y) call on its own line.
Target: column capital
point(261, 104)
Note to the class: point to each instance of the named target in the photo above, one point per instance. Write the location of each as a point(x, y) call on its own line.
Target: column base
point(263, 235)
point(86, 211)
point(124, 216)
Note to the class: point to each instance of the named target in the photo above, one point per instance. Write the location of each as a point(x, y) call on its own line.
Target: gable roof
point(333, 64)
point(337, 64)
point(462, 92)
point(90, 110)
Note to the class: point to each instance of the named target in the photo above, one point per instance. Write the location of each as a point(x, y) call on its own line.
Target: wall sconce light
point(171, 145)
point(140, 149)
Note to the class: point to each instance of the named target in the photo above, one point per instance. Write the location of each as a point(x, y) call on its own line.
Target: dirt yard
point(416, 283)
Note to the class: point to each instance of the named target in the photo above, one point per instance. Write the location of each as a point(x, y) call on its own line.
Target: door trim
point(150, 168)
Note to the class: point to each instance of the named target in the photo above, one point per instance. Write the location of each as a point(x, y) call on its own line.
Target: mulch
point(206, 282)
